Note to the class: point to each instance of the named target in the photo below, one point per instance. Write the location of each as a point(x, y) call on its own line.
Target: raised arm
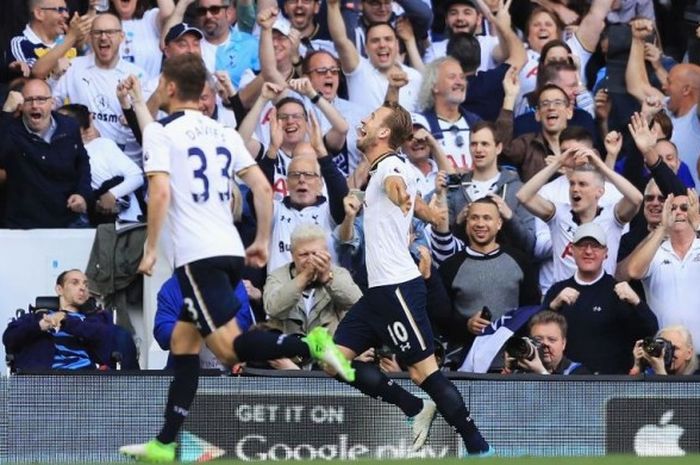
point(268, 63)
point(335, 137)
point(247, 127)
point(404, 30)
point(165, 10)
point(636, 78)
point(528, 194)
point(592, 25)
point(511, 48)
point(632, 199)
point(637, 264)
point(347, 53)
point(420, 15)
point(78, 30)
point(176, 16)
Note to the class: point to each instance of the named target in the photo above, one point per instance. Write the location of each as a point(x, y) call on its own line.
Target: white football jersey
point(563, 227)
point(387, 228)
point(286, 218)
point(201, 156)
point(96, 88)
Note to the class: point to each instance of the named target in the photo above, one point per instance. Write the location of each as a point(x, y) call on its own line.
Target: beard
point(365, 143)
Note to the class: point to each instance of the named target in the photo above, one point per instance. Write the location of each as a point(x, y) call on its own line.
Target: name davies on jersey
point(200, 130)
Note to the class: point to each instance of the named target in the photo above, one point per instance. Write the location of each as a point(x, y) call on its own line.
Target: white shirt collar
point(578, 280)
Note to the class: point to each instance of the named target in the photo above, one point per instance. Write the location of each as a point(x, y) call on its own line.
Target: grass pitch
point(602, 460)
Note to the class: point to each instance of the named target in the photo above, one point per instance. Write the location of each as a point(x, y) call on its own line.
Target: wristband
point(316, 98)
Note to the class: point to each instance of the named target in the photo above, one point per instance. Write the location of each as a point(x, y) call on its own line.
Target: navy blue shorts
point(208, 292)
point(395, 315)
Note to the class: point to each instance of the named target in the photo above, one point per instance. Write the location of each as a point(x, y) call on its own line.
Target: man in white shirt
point(586, 187)
point(92, 81)
point(464, 16)
point(367, 78)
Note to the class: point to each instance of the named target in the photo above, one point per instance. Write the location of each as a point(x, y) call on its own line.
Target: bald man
point(42, 161)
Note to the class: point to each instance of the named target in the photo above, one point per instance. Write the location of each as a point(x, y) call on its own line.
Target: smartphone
point(358, 194)
point(505, 191)
point(486, 314)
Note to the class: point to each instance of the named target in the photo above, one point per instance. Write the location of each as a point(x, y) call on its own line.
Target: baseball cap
point(590, 230)
point(470, 3)
point(282, 26)
point(419, 120)
point(181, 29)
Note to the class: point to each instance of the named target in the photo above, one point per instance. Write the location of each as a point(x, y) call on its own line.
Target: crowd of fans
point(555, 146)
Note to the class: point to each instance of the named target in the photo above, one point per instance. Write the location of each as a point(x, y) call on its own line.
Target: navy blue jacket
point(41, 176)
point(34, 349)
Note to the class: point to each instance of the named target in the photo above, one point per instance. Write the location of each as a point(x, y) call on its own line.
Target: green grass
point(603, 460)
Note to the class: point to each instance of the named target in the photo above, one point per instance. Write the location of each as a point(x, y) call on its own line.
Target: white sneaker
point(421, 423)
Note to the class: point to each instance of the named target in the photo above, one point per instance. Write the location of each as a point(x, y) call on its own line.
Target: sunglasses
point(58, 9)
point(214, 10)
point(651, 198)
point(682, 207)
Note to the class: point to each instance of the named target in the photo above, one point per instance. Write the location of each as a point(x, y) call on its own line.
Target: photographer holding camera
point(543, 351)
point(670, 352)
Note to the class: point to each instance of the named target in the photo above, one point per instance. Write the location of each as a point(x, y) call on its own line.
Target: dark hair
point(465, 48)
point(547, 316)
point(188, 73)
point(577, 133)
point(545, 50)
point(78, 112)
point(545, 88)
point(491, 126)
point(548, 73)
point(283, 101)
point(399, 123)
point(486, 201)
point(664, 122)
point(537, 10)
point(374, 24)
point(61, 278)
point(141, 7)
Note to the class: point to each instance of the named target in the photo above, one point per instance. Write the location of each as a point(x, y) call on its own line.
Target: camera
point(454, 180)
point(654, 347)
point(523, 348)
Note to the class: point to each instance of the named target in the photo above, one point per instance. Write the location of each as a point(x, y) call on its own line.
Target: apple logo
point(661, 440)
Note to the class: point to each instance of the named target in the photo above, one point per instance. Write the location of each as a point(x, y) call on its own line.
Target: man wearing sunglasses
point(48, 28)
point(668, 264)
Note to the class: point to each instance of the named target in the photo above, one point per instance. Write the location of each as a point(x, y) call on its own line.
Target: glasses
point(651, 198)
point(61, 10)
point(459, 140)
point(682, 207)
point(296, 175)
point(334, 70)
point(303, 2)
point(107, 32)
point(291, 116)
point(556, 103)
point(39, 100)
point(214, 10)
